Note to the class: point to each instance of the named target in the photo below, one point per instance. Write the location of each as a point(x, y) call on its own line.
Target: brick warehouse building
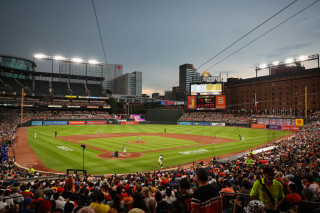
point(283, 90)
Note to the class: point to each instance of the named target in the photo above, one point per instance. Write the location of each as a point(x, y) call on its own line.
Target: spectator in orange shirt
point(228, 188)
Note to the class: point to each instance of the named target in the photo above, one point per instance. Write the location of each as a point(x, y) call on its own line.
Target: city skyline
point(155, 38)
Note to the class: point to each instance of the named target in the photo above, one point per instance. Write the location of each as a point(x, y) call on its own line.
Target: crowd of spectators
point(290, 171)
point(74, 114)
point(215, 117)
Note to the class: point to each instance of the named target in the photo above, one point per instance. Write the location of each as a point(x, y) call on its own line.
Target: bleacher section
point(27, 85)
point(95, 90)
point(60, 88)
point(41, 88)
point(12, 83)
point(78, 89)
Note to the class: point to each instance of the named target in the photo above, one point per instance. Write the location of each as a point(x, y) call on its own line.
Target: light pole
point(83, 148)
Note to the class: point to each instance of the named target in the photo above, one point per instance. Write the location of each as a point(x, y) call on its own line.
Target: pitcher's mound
point(136, 142)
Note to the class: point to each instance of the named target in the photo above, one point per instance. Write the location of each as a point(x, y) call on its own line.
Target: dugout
point(163, 116)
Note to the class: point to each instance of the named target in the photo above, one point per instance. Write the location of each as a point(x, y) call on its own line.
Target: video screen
point(206, 89)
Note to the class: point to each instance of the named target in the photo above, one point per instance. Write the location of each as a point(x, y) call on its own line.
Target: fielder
point(138, 139)
point(124, 150)
point(35, 134)
point(160, 161)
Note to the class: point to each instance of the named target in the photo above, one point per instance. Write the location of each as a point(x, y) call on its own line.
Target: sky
point(156, 37)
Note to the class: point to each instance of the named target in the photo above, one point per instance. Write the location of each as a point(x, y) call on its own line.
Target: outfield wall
point(163, 116)
point(68, 122)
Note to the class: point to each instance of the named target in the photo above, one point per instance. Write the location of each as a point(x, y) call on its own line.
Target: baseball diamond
point(51, 154)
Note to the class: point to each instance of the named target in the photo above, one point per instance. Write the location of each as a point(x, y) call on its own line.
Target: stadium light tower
point(72, 60)
point(297, 60)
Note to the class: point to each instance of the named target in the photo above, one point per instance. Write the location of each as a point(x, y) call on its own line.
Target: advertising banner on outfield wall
point(55, 122)
point(291, 128)
point(278, 127)
point(200, 124)
point(77, 122)
point(185, 123)
point(129, 122)
point(218, 124)
point(36, 123)
point(258, 126)
point(96, 122)
point(299, 122)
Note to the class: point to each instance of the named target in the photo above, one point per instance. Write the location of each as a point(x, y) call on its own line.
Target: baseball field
point(178, 144)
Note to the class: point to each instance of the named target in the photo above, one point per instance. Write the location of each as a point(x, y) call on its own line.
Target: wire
point(99, 31)
point(263, 34)
point(247, 34)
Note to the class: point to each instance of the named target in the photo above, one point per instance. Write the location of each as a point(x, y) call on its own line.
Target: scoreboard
point(206, 102)
point(206, 96)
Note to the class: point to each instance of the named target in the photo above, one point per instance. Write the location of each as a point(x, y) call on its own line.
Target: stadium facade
point(282, 91)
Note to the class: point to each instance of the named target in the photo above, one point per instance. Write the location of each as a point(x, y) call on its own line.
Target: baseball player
point(160, 161)
point(124, 150)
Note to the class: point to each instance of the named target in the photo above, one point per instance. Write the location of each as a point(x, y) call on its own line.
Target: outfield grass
point(61, 155)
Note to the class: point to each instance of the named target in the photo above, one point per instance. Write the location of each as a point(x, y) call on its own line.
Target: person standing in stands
point(206, 198)
point(268, 190)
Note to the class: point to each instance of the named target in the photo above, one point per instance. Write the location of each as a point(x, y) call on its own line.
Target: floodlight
point(93, 62)
point(289, 60)
point(58, 58)
point(263, 66)
point(276, 63)
point(77, 60)
point(39, 56)
point(302, 58)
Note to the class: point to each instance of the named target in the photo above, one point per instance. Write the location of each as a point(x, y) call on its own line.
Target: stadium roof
point(13, 56)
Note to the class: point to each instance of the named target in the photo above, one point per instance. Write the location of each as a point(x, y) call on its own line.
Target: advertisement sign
point(76, 122)
point(73, 106)
point(253, 120)
point(220, 102)
point(258, 126)
point(191, 102)
point(36, 123)
point(96, 122)
point(55, 106)
point(291, 128)
point(278, 127)
point(185, 123)
point(92, 107)
point(299, 122)
point(55, 122)
point(218, 124)
point(200, 124)
point(129, 122)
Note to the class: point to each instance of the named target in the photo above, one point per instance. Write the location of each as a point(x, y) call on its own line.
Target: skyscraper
point(128, 84)
point(187, 75)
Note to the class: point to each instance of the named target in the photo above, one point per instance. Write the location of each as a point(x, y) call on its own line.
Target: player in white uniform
point(35, 134)
point(160, 160)
point(138, 139)
point(124, 150)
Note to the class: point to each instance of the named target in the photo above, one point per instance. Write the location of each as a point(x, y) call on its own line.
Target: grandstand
point(295, 159)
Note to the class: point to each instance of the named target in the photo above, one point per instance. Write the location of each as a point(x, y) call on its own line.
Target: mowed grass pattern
point(61, 155)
